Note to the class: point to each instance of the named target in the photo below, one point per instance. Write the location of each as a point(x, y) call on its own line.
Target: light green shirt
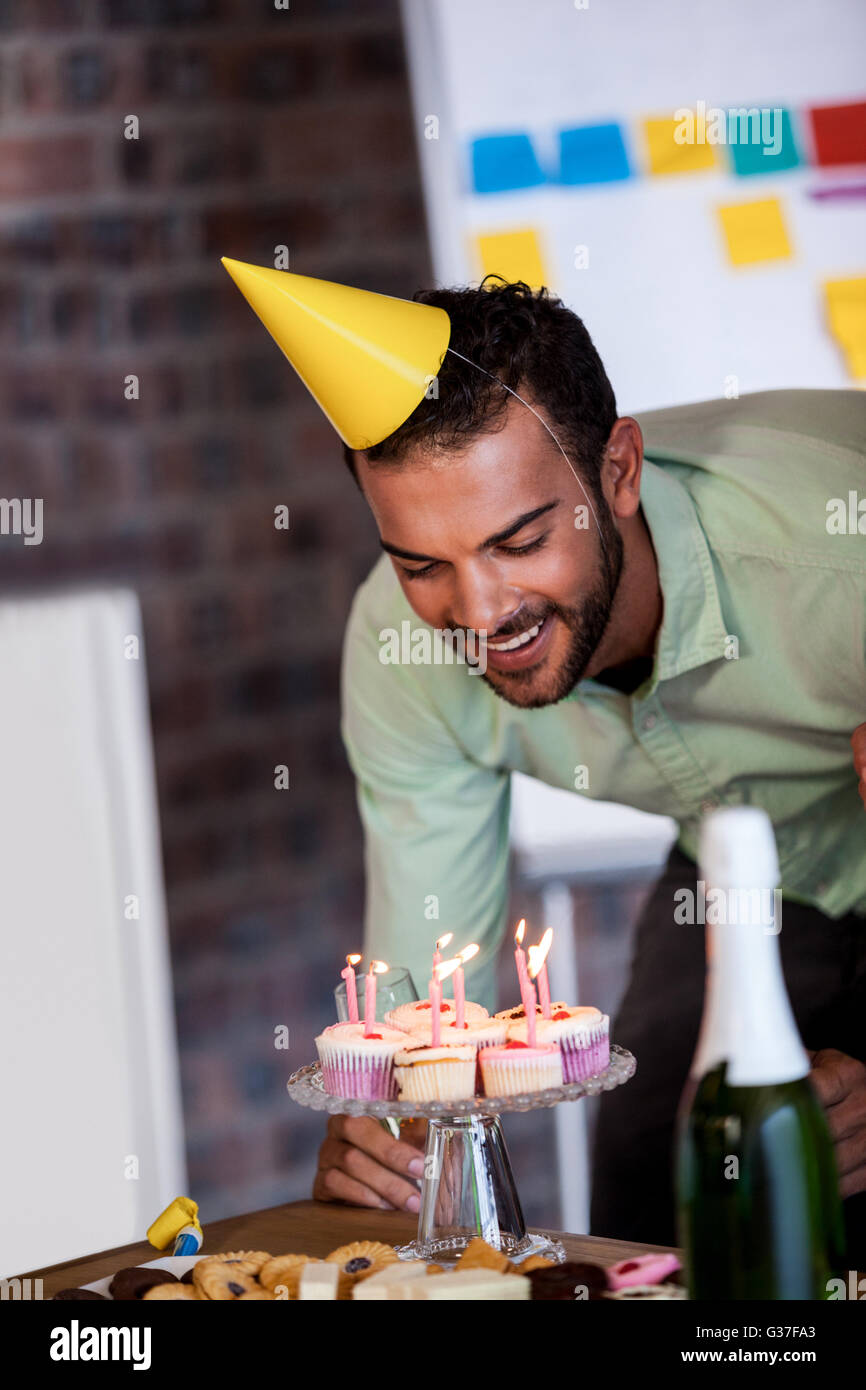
point(735, 495)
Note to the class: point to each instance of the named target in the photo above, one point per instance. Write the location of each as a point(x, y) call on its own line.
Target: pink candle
point(377, 967)
point(520, 955)
point(436, 1012)
point(351, 992)
point(529, 1002)
point(538, 970)
point(467, 953)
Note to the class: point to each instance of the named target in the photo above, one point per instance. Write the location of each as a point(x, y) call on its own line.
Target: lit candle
point(377, 967)
point(538, 969)
point(435, 1011)
point(351, 992)
point(528, 998)
point(466, 954)
point(520, 955)
point(440, 946)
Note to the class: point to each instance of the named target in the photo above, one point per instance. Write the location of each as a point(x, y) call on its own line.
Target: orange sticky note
point(755, 231)
point(513, 255)
point(668, 156)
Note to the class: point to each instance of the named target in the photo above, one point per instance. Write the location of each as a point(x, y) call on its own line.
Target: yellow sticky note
point(514, 256)
point(856, 360)
point(668, 156)
point(846, 310)
point(755, 231)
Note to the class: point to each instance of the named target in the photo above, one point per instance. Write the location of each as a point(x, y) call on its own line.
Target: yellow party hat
point(368, 359)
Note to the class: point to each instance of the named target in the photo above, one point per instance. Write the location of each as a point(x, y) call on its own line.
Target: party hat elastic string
point(518, 397)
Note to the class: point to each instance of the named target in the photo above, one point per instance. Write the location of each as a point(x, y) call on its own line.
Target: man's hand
point(841, 1085)
point(858, 744)
point(361, 1163)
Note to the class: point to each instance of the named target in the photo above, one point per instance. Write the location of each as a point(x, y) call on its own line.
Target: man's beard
point(585, 624)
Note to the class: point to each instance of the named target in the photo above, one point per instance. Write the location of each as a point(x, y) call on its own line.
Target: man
point(703, 644)
point(673, 608)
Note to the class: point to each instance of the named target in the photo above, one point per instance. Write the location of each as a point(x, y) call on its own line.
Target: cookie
point(533, 1262)
point(567, 1283)
point(160, 1293)
point(479, 1255)
point(284, 1271)
point(221, 1279)
point(79, 1294)
point(251, 1261)
point(257, 1294)
point(133, 1283)
point(358, 1261)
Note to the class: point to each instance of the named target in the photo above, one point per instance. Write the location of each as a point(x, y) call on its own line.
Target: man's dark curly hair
point(537, 346)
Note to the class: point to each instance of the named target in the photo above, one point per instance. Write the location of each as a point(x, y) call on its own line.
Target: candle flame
point(444, 941)
point(447, 968)
point(353, 960)
point(468, 952)
point(538, 954)
point(521, 928)
point(379, 967)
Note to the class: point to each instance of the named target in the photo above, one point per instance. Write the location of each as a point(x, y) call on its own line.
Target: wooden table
point(310, 1228)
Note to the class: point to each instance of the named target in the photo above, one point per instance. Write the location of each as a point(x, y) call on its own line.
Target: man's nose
point(482, 601)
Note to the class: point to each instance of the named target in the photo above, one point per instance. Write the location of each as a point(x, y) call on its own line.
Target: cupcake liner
point(437, 1081)
point(513, 1074)
point(345, 1072)
point(585, 1055)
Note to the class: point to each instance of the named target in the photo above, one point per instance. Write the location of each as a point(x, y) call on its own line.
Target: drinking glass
point(392, 989)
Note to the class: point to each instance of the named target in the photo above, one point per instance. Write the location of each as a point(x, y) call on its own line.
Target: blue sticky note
point(764, 146)
point(592, 154)
point(501, 163)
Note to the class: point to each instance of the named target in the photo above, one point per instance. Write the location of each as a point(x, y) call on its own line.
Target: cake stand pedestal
point(468, 1187)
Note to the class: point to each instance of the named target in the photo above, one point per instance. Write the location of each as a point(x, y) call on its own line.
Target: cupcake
point(516, 1069)
point(416, 1015)
point(360, 1067)
point(580, 1033)
point(426, 1073)
point(484, 1032)
point(517, 1012)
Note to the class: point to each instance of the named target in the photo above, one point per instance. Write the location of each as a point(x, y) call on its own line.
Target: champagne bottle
point(758, 1201)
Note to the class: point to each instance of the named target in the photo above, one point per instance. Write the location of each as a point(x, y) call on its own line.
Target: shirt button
point(709, 805)
point(649, 722)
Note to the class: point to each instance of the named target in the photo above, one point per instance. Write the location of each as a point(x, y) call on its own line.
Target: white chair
point(561, 840)
point(93, 1141)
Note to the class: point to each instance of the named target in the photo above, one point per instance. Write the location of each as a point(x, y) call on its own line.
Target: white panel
point(89, 1067)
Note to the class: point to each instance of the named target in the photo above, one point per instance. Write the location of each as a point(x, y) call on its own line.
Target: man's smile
point(522, 650)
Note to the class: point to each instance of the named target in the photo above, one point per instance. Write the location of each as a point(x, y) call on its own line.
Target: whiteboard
point(673, 320)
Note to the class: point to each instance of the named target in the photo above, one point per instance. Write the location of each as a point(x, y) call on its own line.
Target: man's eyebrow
point(500, 536)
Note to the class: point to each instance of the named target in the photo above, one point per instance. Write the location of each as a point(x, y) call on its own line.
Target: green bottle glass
point(758, 1202)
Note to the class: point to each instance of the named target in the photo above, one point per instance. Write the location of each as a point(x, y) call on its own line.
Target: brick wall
point(257, 127)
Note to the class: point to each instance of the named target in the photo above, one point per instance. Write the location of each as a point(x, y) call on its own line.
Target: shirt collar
point(692, 630)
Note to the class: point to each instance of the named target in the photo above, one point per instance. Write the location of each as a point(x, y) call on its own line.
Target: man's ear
point(621, 470)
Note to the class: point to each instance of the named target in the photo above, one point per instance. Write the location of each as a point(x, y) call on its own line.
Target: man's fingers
point(373, 1139)
point(834, 1075)
point(388, 1186)
point(332, 1185)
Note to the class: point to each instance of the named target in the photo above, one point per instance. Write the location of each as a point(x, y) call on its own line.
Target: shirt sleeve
point(435, 821)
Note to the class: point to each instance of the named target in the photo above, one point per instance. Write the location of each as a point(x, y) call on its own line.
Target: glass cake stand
point(468, 1187)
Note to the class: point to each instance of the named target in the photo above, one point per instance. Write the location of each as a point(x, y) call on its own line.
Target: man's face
point(487, 540)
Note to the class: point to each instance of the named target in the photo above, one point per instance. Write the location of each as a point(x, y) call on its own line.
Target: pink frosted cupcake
point(516, 1013)
point(414, 1016)
point(517, 1069)
point(359, 1067)
point(580, 1033)
point(485, 1032)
